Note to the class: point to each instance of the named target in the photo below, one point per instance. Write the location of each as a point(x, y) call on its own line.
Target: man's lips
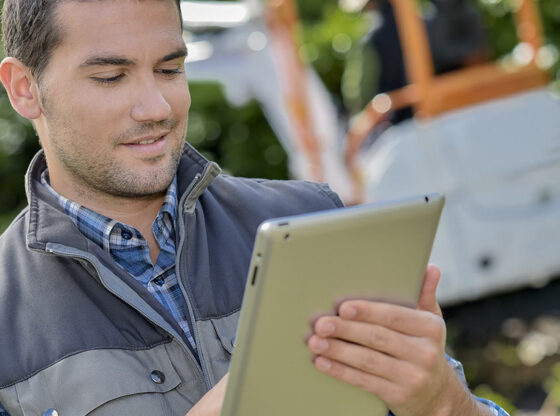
point(147, 147)
point(146, 140)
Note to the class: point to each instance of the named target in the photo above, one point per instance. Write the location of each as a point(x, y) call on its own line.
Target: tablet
point(301, 267)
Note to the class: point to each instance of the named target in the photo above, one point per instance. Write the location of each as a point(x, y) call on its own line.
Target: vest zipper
point(64, 251)
point(186, 295)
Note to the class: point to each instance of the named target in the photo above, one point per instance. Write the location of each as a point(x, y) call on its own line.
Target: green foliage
point(328, 42)
point(313, 11)
point(552, 386)
point(240, 139)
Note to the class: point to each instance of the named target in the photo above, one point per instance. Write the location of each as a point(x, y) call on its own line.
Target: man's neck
point(139, 213)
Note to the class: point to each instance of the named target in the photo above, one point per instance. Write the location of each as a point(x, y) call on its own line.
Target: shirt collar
point(98, 228)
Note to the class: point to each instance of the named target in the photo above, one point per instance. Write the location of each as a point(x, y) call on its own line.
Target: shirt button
point(157, 377)
point(127, 235)
point(50, 412)
point(159, 281)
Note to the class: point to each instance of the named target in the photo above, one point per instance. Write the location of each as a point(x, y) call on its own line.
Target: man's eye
point(171, 72)
point(108, 80)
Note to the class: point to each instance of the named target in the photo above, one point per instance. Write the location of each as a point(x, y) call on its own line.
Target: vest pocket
point(102, 382)
point(226, 329)
point(216, 344)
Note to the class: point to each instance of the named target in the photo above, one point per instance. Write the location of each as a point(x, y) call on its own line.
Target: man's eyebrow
point(179, 53)
point(107, 60)
point(122, 61)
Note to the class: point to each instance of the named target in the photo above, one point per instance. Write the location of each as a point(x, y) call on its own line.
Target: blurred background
point(389, 99)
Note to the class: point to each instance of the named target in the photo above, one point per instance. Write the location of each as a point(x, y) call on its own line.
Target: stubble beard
point(106, 176)
point(152, 183)
point(112, 180)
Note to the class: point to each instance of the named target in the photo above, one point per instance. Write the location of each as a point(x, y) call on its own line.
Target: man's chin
point(132, 185)
point(142, 191)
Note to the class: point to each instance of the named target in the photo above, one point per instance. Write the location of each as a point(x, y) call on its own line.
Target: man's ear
point(21, 87)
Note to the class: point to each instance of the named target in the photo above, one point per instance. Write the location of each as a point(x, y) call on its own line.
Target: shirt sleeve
point(3, 412)
point(458, 368)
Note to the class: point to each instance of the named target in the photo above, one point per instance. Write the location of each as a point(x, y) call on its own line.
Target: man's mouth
point(149, 141)
point(146, 140)
point(148, 147)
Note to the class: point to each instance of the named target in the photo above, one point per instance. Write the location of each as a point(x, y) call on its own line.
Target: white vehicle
point(487, 137)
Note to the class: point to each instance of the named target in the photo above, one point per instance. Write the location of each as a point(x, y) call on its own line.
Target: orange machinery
point(430, 95)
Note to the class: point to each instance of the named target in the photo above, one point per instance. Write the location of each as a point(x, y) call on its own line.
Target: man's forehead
point(118, 27)
point(65, 7)
point(173, 3)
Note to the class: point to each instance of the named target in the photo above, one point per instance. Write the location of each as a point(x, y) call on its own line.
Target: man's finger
point(362, 358)
point(394, 317)
point(369, 382)
point(373, 337)
point(427, 300)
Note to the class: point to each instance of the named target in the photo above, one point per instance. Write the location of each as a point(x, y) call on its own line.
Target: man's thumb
point(427, 300)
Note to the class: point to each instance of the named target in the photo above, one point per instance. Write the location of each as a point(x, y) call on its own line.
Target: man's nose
point(150, 103)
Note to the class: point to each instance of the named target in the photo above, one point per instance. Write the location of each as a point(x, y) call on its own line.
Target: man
point(121, 283)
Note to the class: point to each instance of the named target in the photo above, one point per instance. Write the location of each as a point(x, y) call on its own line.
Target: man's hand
point(394, 352)
point(211, 402)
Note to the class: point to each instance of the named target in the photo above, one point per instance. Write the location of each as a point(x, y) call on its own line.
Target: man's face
point(115, 98)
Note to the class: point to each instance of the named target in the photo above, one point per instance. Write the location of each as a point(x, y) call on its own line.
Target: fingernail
point(323, 364)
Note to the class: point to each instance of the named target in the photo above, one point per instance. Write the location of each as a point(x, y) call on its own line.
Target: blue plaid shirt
point(130, 250)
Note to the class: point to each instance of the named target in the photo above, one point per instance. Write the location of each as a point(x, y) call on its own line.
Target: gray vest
point(79, 335)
